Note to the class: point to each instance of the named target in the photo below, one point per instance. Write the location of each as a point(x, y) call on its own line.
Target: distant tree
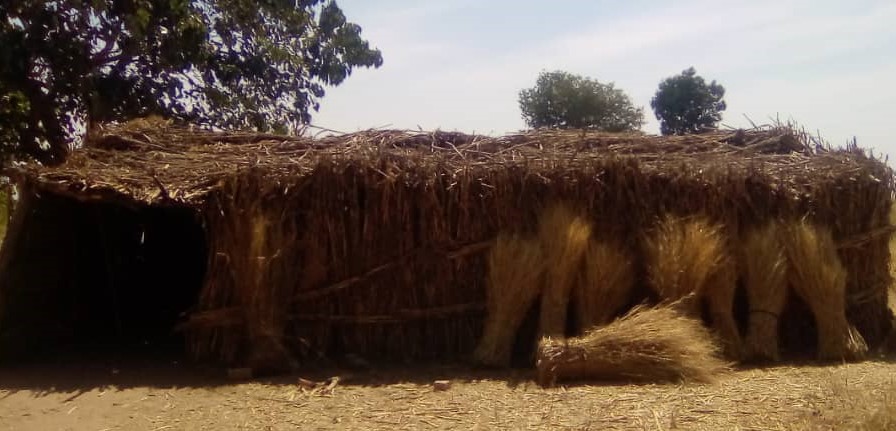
point(566, 101)
point(223, 63)
point(686, 104)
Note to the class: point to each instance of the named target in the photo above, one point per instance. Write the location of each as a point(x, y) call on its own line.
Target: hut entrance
point(99, 278)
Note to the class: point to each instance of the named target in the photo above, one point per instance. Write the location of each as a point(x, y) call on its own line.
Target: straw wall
point(376, 243)
point(386, 257)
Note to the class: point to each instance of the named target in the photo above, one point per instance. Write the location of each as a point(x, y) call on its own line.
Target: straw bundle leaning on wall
point(819, 278)
point(888, 347)
point(764, 269)
point(688, 262)
point(564, 237)
point(719, 297)
point(647, 344)
point(250, 268)
point(515, 268)
point(608, 277)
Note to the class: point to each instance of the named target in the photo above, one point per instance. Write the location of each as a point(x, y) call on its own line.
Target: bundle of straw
point(764, 267)
point(819, 278)
point(888, 347)
point(647, 344)
point(719, 296)
point(608, 278)
point(688, 262)
point(564, 237)
point(682, 256)
point(515, 268)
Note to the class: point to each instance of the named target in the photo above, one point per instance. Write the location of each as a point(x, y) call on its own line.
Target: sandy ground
point(161, 395)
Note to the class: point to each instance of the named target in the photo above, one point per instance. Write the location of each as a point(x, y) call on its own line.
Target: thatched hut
point(266, 249)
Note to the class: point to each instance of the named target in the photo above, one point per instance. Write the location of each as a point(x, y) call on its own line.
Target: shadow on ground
point(77, 374)
point(80, 374)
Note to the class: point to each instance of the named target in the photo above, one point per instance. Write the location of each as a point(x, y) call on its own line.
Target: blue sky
point(459, 64)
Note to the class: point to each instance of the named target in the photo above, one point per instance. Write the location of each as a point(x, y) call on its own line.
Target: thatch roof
point(157, 164)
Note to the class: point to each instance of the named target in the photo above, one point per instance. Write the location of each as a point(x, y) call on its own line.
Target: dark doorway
point(100, 278)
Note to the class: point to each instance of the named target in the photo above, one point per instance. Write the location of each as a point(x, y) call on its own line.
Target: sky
point(460, 64)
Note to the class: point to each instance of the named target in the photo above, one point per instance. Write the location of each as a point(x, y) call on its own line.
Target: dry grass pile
point(515, 268)
point(647, 344)
point(564, 235)
point(607, 281)
point(688, 263)
point(764, 269)
point(819, 278)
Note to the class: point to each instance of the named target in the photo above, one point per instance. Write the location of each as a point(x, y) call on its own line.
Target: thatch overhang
point(155, 164)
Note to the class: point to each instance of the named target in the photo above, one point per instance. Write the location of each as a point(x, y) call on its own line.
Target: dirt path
point(168, 397)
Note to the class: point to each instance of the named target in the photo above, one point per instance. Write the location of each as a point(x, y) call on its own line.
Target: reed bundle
point(515, 270)
point(688, 263)
point(647, 344)
point(819, 278)
point(608, 278)
point(765, 269)
point(564, 236)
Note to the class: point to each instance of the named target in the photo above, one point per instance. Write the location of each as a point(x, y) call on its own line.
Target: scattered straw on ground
point(854, 396)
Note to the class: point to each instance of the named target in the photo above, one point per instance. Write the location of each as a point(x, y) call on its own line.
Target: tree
point(67, 64)
point(686, 104)
point(566, 101)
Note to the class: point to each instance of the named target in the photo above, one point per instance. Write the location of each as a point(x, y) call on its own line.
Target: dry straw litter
point(657, 344)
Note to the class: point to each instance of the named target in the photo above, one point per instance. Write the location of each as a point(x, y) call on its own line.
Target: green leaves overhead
point(686, 104)
point(222, 63)
point(566, 101)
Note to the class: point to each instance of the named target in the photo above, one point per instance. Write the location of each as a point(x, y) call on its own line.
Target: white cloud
point(774, 57)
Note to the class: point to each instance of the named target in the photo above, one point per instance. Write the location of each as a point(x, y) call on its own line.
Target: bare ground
point(159, 395)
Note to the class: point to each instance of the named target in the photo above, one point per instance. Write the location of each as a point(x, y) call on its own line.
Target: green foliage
point(685, 104)
point(221, 63)
point(566, 101)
